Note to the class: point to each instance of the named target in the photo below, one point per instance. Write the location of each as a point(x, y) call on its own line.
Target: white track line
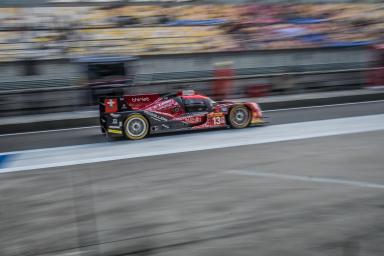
point(102, 152)
point(325, 106)
point(54, 130)
point(265, 111)
point(308, 178)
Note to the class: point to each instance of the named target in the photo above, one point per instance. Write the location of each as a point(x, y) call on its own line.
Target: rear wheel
point(239, 117)
point(136, 127)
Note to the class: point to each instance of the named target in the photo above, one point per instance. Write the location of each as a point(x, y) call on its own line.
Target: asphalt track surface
point(88, 135)
point(315, 196)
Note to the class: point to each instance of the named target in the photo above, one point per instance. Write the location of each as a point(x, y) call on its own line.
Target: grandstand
point(63, 32)
point(326, 45)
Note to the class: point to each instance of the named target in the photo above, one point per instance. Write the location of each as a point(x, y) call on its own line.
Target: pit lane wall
point(54, 85)
point(64, 68)
point(254, 59)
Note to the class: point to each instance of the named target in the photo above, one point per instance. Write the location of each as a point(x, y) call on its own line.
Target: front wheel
point(136, 127)
point(239, 117)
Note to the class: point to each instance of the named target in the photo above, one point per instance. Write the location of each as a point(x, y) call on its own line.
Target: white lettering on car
point(193, 119)
point(140, 99)
point(156, 116)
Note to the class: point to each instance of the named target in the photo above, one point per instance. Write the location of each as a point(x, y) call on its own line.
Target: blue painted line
point(4, 159)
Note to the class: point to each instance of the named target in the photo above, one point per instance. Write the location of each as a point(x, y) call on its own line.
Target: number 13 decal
point(217, 120)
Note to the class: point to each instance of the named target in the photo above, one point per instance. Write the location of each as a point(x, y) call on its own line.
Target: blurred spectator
point(168, 29)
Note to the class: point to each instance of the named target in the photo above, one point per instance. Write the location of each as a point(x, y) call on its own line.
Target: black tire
point(239, 117)
point(136, 127)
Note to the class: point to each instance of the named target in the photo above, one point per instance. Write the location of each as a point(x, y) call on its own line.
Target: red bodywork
point(173, 112)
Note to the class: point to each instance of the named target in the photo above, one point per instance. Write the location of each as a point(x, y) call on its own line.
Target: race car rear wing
point(113, 104)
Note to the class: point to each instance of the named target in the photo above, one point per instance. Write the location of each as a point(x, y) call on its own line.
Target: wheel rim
point(240, 116)
point(136, 127)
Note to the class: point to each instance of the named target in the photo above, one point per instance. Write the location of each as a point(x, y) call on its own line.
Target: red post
point(376, 76)
point(222, 84)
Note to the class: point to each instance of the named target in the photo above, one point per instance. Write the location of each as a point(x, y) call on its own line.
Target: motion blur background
point(311, 196)
point(272, 47)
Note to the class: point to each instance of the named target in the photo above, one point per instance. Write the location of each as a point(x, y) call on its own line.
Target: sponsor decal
point(115, 131)
point(115, 121)
point(156, 116)
point(218, 120)
point(216, 115)
point(115, 115)
point(114, 127)
point(110, 105)
point(165, 104)
point(140, 99)
point(193, 119)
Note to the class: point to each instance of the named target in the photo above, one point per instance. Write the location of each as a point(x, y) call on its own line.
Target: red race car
point(136, 116)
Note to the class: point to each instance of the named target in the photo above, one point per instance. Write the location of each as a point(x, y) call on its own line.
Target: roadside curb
point(79, 119)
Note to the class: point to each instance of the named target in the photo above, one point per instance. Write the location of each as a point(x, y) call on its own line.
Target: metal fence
point(33, 96)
